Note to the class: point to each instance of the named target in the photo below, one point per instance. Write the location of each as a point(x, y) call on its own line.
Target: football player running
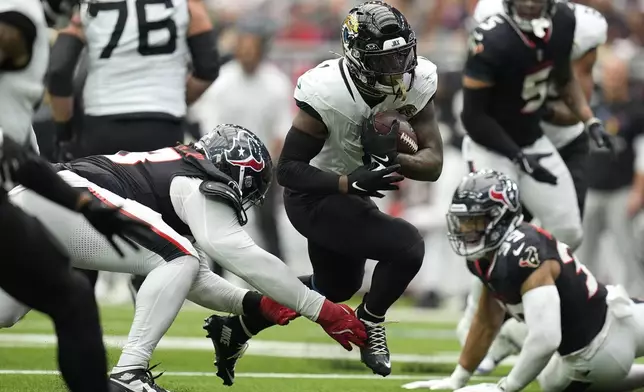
point(202, 191)
point(333, 162)
point(582, 335)
point(566, 133)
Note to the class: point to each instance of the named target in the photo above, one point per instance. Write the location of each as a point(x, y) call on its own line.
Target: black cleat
point(375, 353)
point(229, 339)
point(135, 380)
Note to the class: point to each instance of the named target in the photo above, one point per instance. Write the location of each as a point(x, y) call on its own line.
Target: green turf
point(405, 338)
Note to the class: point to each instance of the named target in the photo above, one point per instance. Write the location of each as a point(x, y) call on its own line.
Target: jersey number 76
point(145, 27)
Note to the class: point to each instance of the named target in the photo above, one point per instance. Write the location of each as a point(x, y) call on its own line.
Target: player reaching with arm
point(581, 334)
point(334, 160)
point(200, 191)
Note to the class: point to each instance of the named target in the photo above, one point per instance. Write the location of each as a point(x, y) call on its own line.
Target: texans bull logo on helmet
point(246, 151)
point(505, 195)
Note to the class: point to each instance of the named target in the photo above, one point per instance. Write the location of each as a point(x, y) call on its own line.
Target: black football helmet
point(485, 209)
point(380, 49)
point(531, 15)
point(238, 153)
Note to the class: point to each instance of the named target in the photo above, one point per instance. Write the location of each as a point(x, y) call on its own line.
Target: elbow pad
point(205, 57)
point(62, 65)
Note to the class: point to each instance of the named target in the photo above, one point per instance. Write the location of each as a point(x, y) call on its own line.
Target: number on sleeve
point(567, 257)
point(132, 158)
point(535, 90)
point(490, 23)
point(121, 7)
point(145, 27)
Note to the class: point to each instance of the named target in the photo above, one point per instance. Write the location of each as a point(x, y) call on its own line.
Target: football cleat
point(230, 342)
point(135, 380)
point(375, 353)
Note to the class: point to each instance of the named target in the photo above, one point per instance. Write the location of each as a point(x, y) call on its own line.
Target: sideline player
point(202, 191)
point(330, 159)
point(582, 335)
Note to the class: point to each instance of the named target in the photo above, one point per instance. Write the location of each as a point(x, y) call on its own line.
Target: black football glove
point(529, 163)
point(63, 142)
point(596, 130)
point(367, 180)
point(12, 155)
point(110, 222)
point(381, 148)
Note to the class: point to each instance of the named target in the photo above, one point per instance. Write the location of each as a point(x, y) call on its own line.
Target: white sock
point(157, 304)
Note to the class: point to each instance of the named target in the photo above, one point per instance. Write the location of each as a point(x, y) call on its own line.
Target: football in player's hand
point(407, 141)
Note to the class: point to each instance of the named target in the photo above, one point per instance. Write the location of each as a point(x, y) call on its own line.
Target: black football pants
point(343, 231)
point(36, 272)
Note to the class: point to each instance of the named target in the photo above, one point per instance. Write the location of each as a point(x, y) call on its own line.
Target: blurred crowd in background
point(267, 44)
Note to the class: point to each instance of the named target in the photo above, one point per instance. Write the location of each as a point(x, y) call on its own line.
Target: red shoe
point(275, 312)
point(339, 322)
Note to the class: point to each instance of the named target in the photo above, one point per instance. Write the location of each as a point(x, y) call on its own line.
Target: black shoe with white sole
point(135, 380)
point(230, 342)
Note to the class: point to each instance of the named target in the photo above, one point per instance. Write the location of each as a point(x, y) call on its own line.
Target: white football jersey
point(329, 89)
point(21, 91)
point(138, 56)
point(590, 32)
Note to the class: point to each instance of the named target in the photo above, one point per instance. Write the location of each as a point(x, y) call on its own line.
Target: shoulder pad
point(591, 30)
point(220, 191)
point(488, 36)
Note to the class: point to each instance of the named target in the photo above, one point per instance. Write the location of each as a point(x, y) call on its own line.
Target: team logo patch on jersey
point(530, 258)
point(246, 151)
point(408, 110)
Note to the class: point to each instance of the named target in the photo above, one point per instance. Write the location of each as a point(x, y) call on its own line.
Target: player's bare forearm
point(485, 326)
point(195, 88)
point(560, 114)
point(427, 163)
point(573, 96)
point(62, 108)
point(13, 47)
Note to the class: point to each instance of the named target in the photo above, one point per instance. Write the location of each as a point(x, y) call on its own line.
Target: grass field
point(292, 358)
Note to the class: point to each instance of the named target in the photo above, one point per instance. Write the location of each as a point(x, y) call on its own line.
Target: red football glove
point(275, 312)
point(339, 322)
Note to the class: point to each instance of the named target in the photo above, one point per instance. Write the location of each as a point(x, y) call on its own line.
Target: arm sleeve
point(481, 127)
point(216, 229)
point(542, 316)
point(37, 174)
point(62, 65)
point(295, 172)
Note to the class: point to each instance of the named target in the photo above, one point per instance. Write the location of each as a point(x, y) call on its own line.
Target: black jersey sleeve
point(484, 57)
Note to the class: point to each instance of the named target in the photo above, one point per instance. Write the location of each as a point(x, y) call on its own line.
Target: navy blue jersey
point(583, 299)
point(520, 66)
point(146, 176)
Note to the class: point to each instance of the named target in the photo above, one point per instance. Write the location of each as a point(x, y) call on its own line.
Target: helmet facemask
point(383, 65)
point(531, 15)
